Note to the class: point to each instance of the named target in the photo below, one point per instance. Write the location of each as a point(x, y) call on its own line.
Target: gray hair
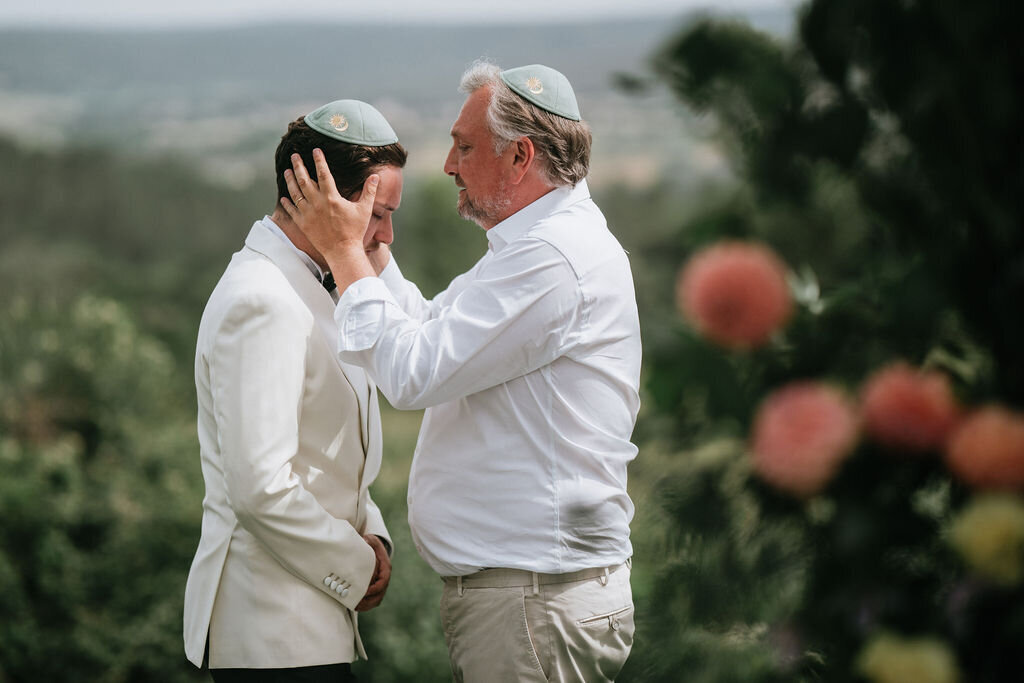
point(562, 145)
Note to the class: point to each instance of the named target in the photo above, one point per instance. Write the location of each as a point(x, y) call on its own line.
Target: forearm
point(348, 263)
point(307, 532)
point(379, 258)
point(256, 365)
point(418, 365)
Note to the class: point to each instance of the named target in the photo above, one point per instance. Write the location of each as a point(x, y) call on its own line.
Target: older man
point(528, 366)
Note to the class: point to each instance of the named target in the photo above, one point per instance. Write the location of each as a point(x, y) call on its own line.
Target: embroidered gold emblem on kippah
point(534, 85)
point(339, 123)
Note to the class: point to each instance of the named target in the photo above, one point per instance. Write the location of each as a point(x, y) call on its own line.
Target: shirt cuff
point(360, 314)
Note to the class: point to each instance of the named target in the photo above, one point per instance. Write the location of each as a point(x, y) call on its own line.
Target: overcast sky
point(156, 13)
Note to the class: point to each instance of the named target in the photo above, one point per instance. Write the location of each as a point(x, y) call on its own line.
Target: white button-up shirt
point(528, 366)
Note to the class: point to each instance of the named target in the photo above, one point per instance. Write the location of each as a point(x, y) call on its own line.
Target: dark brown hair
point(350, 164)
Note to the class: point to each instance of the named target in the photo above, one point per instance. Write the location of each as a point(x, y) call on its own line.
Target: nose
point(385, 233)
point(450, 167)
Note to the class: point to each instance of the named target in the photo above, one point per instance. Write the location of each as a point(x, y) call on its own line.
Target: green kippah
point(544, 87)
point(352, 121)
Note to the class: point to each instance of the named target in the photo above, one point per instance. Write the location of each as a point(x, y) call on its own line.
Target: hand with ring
point(333, 225)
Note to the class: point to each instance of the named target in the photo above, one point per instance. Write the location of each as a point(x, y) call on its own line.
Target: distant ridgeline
point(411, 63)
point(229, 92)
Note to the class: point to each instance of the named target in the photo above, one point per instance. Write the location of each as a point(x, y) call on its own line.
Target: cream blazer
point(289, 440)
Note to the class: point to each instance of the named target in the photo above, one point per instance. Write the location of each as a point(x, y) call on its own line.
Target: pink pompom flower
point(908, 409)
point(802, 433)
point(735, 293)
point(987, 449)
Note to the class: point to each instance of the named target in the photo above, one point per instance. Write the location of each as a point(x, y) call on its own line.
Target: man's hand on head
point(333, 225)
point(381, 575)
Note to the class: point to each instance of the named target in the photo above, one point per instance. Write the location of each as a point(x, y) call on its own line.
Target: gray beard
point(484, 213)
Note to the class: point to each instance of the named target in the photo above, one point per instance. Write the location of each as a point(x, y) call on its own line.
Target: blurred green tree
point(100, 486)
point(433, 243)
point(98, 508)
point(878, 153)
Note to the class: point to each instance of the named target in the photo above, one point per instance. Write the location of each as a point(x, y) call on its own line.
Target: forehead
point(473, 115)
point(389, 192)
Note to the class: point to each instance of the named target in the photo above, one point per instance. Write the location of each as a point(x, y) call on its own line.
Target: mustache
point(458, 182)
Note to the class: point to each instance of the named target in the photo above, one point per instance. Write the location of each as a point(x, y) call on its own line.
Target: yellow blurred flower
point(889, 658)
point(989, 534)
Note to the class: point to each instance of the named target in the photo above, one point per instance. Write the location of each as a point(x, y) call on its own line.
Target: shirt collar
point(315, 269)
point(521, 221)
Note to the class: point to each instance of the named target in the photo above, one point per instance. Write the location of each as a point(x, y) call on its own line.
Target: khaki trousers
point(517, 626)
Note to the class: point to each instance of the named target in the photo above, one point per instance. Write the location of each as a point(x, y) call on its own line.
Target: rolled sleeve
point(360, 314)
point(513, 318)
point(406, 294)
point(392, 275)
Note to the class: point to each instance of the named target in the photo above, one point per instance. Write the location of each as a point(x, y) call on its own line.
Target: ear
point(523, 155)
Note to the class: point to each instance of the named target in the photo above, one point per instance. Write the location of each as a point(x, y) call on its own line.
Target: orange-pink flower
point(735, 293)
point(908, 409)
point(802, 433)
point(987, 449)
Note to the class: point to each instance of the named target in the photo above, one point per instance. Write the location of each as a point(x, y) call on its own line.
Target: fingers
point(302, 186)
point(377, 583)
point(377, 587)
point(381, 575)
point(290, 209)
point(323, 174)
point(375, 593)
point(293, 189)
point(369, 603)
point(374, 542)
point(382, 572)
point(382, 578)
point(372, 598)
point(385, 569)
point(369, 193)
